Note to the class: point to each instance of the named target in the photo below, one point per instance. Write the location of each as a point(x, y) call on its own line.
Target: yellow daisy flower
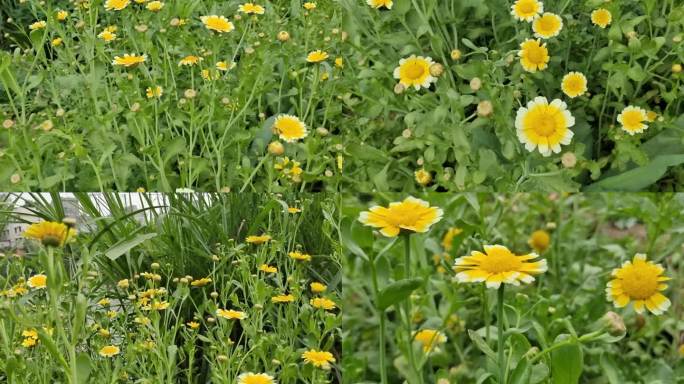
point(320, 359)
point(309, 6)
point(38, 25)
point(289, 128)
point(601, 17)
point(201, 282)
point(448, 239)
point(317, 287)
point(107, 36)
point(539, 240)
point(430, 339)
point(293, 210)
point(422, 177)
point(526, 10)
point(498, 265)
point(632, 119)
point(547, 26)
point(155, 91)
point(255, 378)
point(109, 351)
point(37, 281)
point(128, 60)
point(154, 6)
point(316, 56)
point(248, 8)
point(61, 15)
point(258, 239)
point(574, 84)
point(544, 125)
point(322, 303)
point(268, 269)
point(640, 281)
point(50, 233)
point(412, 214)
point(415, 71)
point(190, 60)
point(296, 255)
point(193, 324)
point(56, 42)
point(217, 23)
point(282, 299)
point(231, 314)
point(533, 55)
point(380, 3)
point(116, 5)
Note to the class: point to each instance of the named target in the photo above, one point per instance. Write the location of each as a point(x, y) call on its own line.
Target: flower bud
point(276, 148)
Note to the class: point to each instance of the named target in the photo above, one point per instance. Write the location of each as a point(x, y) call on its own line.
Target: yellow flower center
point(257, 379)
point(500, 260)
point(414, 70)
point(527, 7)
point(632, 119)
point(548, 24)
point(535, 54)
point(640, 283)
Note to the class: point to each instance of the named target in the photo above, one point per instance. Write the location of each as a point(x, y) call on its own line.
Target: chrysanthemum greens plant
point(512, 289)
point(117, 302)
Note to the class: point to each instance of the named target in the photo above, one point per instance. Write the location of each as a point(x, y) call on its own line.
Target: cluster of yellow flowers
point(640, 280)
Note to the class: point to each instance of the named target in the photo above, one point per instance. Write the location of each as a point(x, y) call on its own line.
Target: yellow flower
point(158, 305)
point(251, 8)
point(319, 359)
point(38, 25)
point(651, 116)
point(116, 5)
point(107, 36)
point(339, 62)
point(380, 3)
point(533, 55)
point(282, 299)
point(632, 119)
point(255, 378)
point(193, 324)
point(155, 6)
point(430, 339)
point(155, 91)
point(640, 281)
point(56, 42)
point(289, 128)
point(217, 23)
point(539, 240)
point(414, 71)
point(30, 333)
point(104, 302)
point(190, 60)
point(601, 17)
point(544, 126)
point(498, 265)
point(412, 215)
point(316, 56)
point(574, 84)
point(526, 10)
point(322, 303)
point(50, 233)
point(293, 210)
point(129, 60)
point(547, 26)
point(258, 239)
point(423, 177)
point(297, 255)
point(317, 287)
point(231, 314)
point(224, 66)
point(268, 269)
point(37, 281)
point(123, 284)
point(201, 282)
point(309, 6)
point(448, 239)
point(109, 351)
point(29, 342)
point(62, 15)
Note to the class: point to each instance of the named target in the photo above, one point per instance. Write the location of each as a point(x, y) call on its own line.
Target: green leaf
point(126, 245)
point(566, 362)
point(83, 368)
point(521, 374)
point(610, 370)
point(482, 345)
point(397, 291)
point(637, 178)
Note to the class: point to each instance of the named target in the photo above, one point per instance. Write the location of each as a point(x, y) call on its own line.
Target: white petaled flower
point(544, 126)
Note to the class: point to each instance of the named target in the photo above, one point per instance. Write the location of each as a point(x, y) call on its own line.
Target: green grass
point(185, 238)
point(553, 327)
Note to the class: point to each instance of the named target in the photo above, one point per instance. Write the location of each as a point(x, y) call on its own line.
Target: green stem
point(407, 307)
point(499, 333)
point(381, 315)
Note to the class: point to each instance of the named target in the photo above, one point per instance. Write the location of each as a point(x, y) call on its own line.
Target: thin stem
point(381, 315)
point(499, 333)
point(407, 307)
